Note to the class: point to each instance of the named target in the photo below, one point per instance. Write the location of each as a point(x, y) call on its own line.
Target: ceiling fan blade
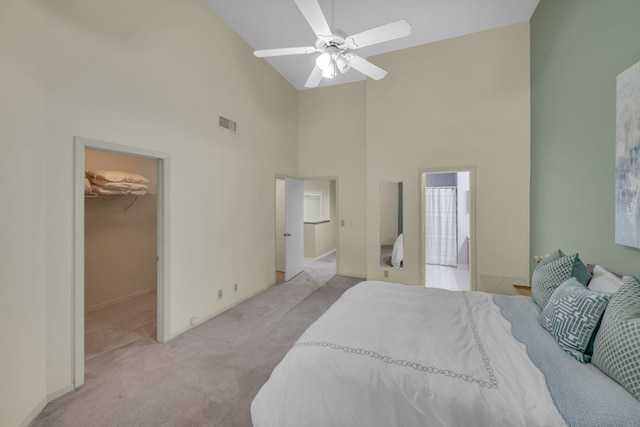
point(366, 67)
point(394, 30)
point(284, 51)
point(314, 77)
point(314, 16)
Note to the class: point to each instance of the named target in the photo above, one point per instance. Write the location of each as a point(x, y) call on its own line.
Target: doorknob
point(287, 234)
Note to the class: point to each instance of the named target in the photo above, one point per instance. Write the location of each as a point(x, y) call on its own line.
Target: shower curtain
point(441, 225)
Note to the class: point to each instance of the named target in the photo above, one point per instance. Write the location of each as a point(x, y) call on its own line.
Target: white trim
point(115, 301)
point(59, 393)
point(322, 256)
point(163, 286)
point(222, 310)
point(31, 417)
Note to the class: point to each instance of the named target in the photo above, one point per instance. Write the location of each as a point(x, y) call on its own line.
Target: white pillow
point(604, 281)
point(117, 176)
point(123, 186)
point(397, 254)
point(87, 186)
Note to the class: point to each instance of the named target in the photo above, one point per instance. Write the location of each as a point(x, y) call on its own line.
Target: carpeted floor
point(207, 376)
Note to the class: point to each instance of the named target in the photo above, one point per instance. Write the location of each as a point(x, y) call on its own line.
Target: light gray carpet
point(207, 376)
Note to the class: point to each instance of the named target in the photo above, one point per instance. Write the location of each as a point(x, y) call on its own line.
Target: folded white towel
point(122, 186)
point(87, 186)
point(117, 176)
point(101, 191)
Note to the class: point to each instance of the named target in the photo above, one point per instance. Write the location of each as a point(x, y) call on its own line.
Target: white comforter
point(394, 355)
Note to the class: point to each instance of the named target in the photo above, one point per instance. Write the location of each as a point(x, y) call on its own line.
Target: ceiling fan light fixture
point(343, 64)
point(323, 60)
point(330, 71)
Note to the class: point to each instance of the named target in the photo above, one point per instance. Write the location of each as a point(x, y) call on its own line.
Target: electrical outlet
point(193, 321)
point(386, 273)
point(342, 223)
point(235, 287)
point(220, 294)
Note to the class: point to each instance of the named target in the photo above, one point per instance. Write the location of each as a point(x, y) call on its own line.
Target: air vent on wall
point(227, 124)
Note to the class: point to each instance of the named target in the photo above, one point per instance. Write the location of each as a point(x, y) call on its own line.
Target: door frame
point(163, 288)
point(337, 219)
point(422, 173)
point(308, 178)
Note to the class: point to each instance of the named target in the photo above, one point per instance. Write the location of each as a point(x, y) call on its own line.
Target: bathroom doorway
point(447, 224)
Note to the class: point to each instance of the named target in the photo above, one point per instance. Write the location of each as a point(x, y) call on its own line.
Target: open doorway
point(119, 253)
point(306, 229)
point(447, 218)
point(320, 226)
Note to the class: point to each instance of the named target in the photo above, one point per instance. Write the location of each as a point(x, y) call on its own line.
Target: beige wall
point(23, 164)
point(318, 240)
point(120, 243)
point(338, 111)
point(459, 102)
point(116, 72)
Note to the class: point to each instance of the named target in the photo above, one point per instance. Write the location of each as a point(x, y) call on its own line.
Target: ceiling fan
point(333, 48)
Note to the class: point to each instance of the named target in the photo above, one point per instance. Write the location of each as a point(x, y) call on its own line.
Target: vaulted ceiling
point(267, 24)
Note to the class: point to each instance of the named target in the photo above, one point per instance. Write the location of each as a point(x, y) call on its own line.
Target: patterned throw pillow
point(572, 316)
point(617, 347)
point(547, 277)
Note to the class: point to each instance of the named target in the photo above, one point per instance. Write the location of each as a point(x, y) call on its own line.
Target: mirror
point(391, 238)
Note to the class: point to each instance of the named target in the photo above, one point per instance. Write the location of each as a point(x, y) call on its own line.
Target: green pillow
point(616, 349)
point(573, 315)
point(547, 277)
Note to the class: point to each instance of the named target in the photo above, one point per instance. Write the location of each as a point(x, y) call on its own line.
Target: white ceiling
point(268, 24)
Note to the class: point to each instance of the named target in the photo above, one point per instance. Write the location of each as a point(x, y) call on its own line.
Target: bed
point(394, 355)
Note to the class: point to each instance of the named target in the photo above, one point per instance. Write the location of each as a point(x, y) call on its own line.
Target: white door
point(293, 228)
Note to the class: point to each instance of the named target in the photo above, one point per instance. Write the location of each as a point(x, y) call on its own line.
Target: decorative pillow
point(604, 281)
point(573, 315)
point(617, 347)
point(547, 277)
point(552, 257)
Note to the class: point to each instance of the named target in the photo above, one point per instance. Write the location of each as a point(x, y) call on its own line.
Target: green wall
point(578, 47)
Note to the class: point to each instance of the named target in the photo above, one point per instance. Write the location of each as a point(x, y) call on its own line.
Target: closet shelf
point(97, 196)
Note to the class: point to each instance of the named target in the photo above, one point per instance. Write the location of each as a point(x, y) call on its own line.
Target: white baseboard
point(28, 421)
point(222, 310)
point(116, 301)
point(356, 275)
point(61, 392)
point(321, 256)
